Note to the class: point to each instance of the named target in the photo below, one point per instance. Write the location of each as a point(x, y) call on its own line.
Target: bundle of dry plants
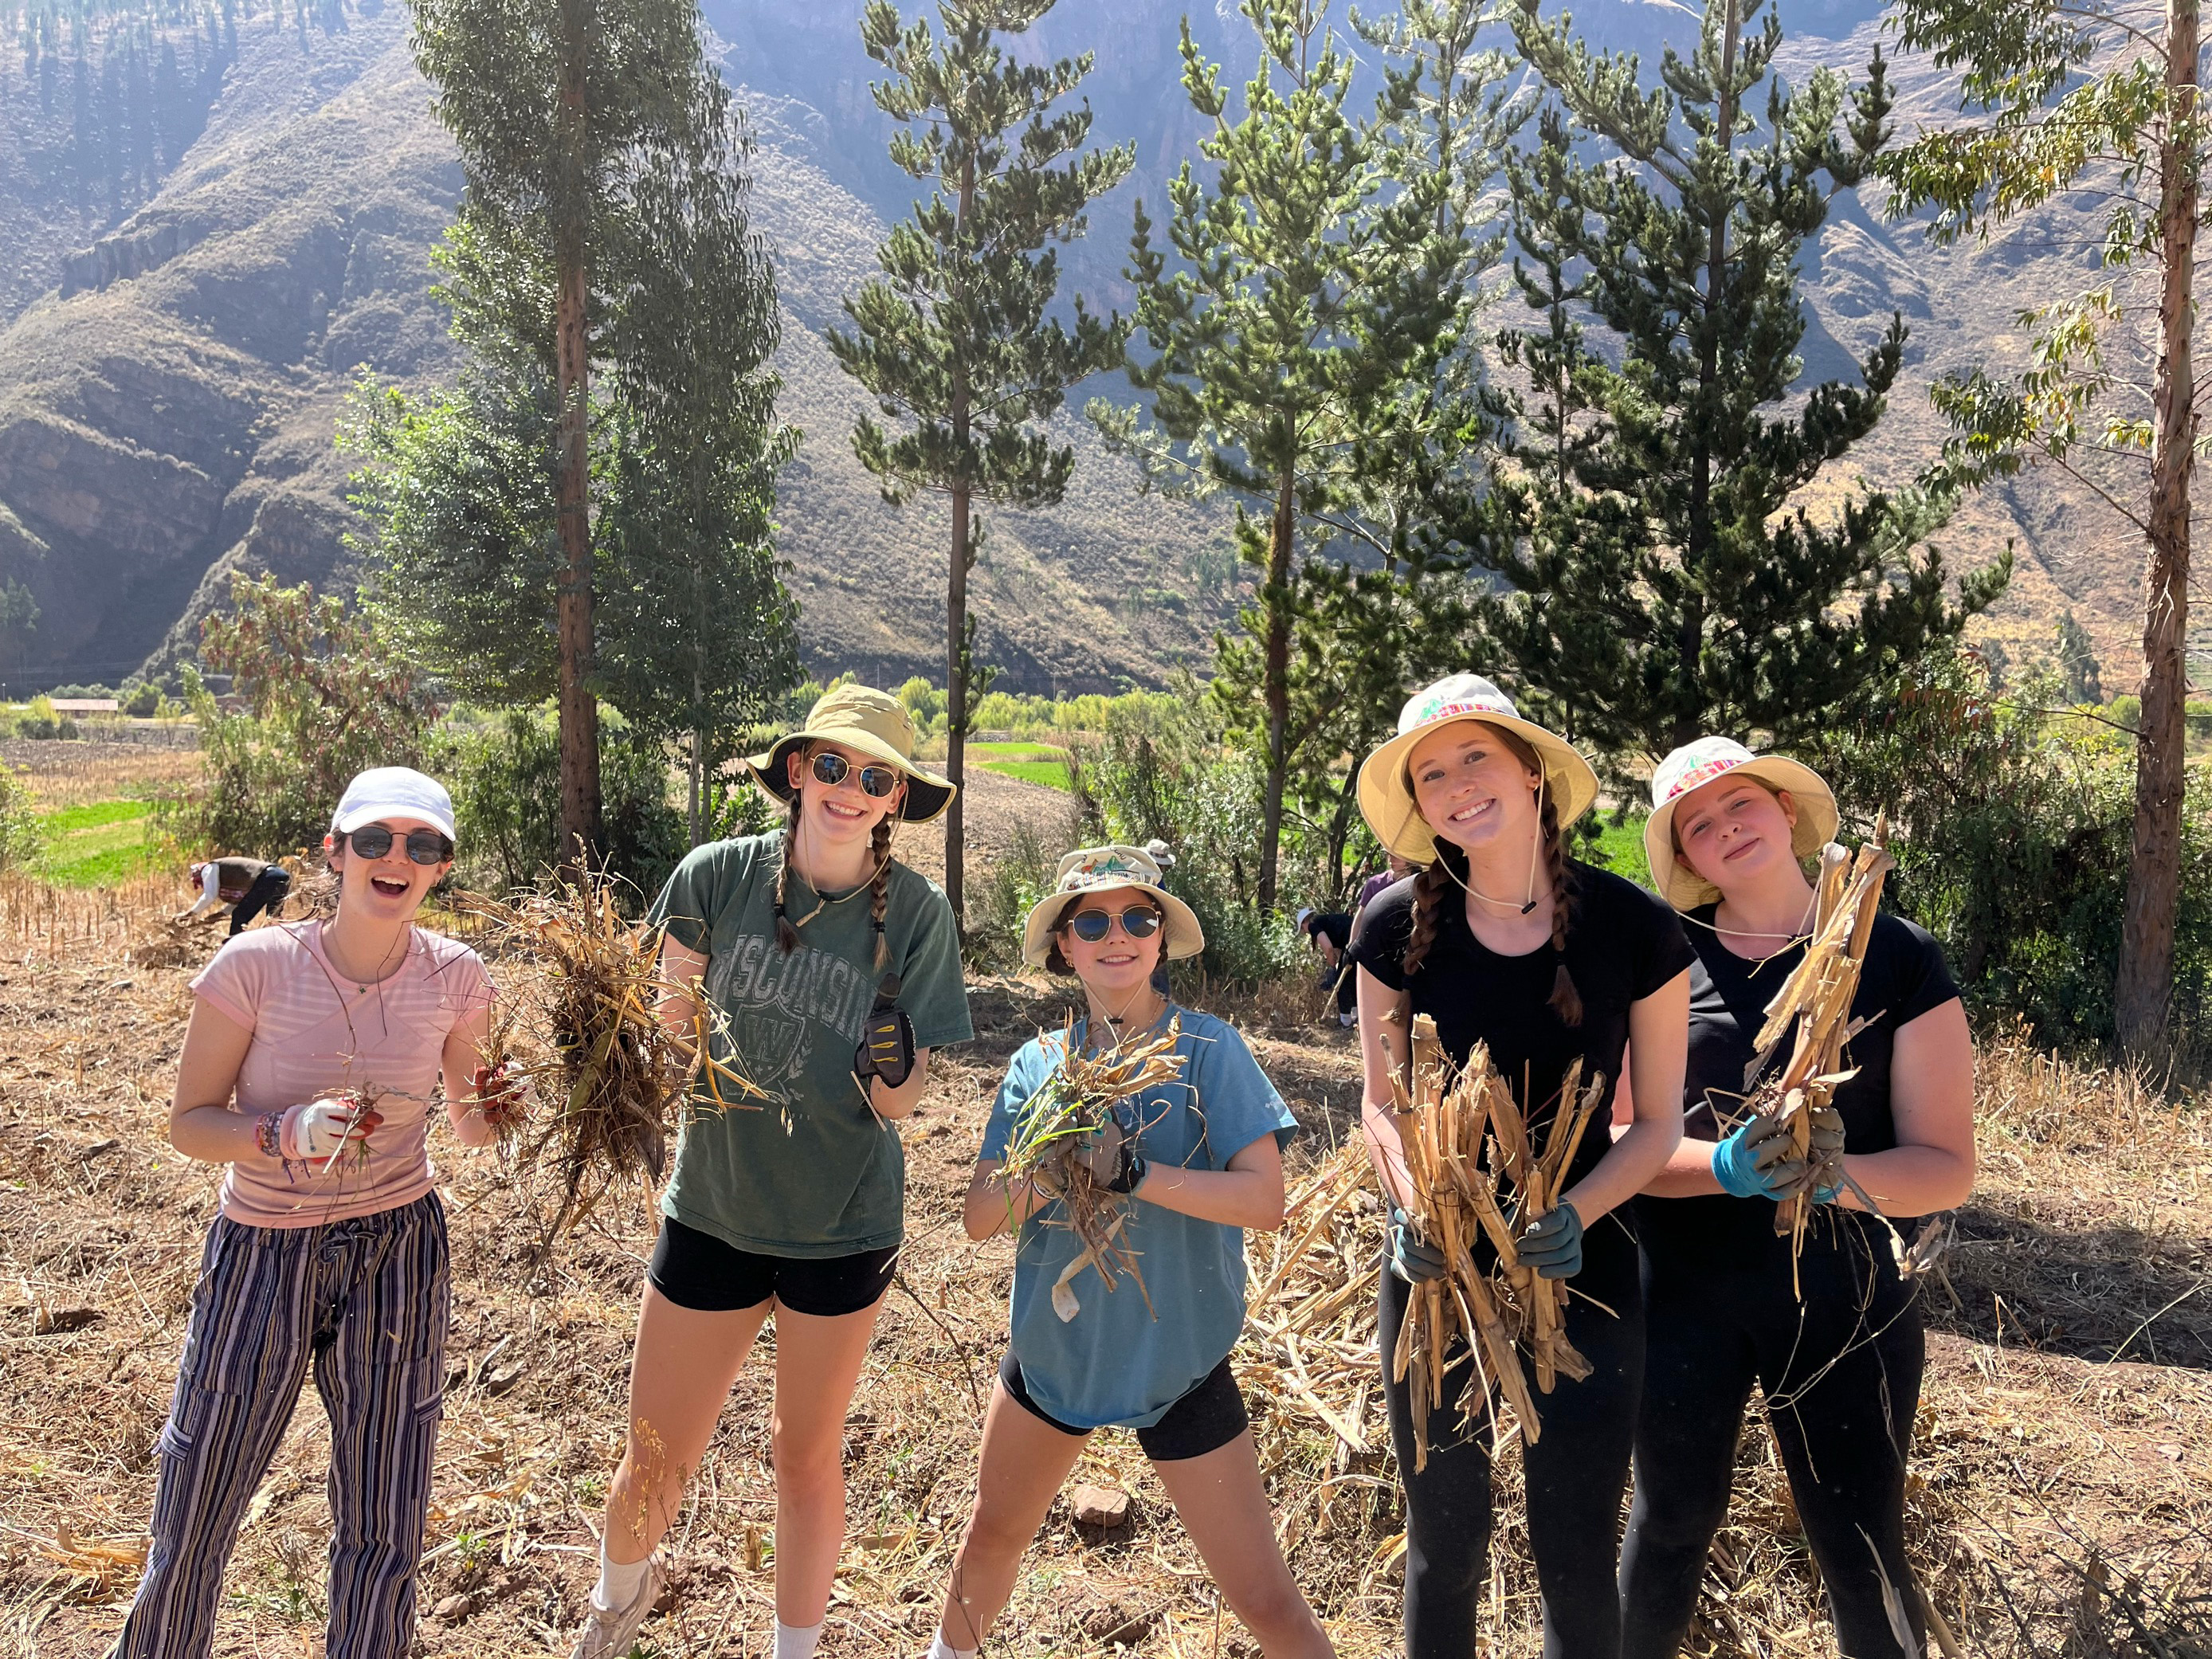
point(1052, 1128)
point(1474, 1170)
point(606, 1082)
point(1817, 998)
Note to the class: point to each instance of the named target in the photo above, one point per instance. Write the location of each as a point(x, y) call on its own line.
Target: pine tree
point(2102, 105)
point(953, 338)
point(601, 230)
point(1659, 579)
point(1300, 306)
point(563, 110)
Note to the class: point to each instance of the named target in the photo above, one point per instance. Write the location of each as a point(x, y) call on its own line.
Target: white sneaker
point(608, 1635)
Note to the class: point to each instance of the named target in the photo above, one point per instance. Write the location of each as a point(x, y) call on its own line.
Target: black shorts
point(696, 1270)
point(1205, 1418)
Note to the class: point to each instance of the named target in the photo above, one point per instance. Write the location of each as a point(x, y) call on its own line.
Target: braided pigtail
point(1566, 1000)
point(879, 887)
point(786, 936)
point(1429, 886)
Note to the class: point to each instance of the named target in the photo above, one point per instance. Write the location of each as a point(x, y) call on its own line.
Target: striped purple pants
point(365, 1302)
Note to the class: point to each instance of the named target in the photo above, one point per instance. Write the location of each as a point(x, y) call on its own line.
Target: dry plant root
point(1475, 1170)
point(1049, 1131)
point(1817, 996)
point(608, 1082)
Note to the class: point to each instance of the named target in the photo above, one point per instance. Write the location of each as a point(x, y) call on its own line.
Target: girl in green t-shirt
point(833, 971)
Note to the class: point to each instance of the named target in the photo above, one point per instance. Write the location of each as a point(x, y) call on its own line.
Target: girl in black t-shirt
point(1506, 941)
point(1840, 1368)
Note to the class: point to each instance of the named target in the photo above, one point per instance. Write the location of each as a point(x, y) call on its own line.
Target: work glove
point(1410, 1260)
point(1553, 1243)
point(500, 1098)
point(886, 1050)
point(316, 1131)
point(1754, 1161)
point(1828, 1143)
point(1110, 1152)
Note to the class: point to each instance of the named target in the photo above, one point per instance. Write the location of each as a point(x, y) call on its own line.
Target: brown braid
point(880, 889)
point(1431, 883)
point(1566, 1000)
point(786, 936)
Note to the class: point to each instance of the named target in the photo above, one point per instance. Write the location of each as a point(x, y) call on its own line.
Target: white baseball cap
point(393, 792)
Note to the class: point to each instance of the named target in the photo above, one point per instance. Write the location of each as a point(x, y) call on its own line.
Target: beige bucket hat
point(1098, 870)
point(868, 722)
point(1386, 791)
point(1697, 764)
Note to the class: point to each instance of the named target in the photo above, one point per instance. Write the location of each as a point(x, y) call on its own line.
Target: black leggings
point(267, 893)
point(1840, 1372)
point(1575, 1476)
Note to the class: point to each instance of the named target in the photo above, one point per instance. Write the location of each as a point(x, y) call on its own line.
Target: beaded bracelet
point(268, 1134)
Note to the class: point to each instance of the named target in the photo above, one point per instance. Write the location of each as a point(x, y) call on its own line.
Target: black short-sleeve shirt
point(1905, 976)
point(1623, 945)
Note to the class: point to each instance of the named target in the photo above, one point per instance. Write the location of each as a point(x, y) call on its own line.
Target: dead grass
point(2061, 1502)
point(79, 773)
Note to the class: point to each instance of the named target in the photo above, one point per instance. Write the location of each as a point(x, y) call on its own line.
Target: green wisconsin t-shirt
point(813, 1171)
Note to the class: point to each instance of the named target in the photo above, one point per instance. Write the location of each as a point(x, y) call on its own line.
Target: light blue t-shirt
point(1118, 1362)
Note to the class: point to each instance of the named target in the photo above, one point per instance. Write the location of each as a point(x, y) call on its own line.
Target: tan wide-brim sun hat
point(1100, 870)
point(1386, 788)
point(1693, 766)
point(867, 722)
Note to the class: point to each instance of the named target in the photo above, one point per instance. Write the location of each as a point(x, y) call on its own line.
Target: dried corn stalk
point(608, 1081)
point(1476, 1171)
point(1817, 997)
point(1048, 1133)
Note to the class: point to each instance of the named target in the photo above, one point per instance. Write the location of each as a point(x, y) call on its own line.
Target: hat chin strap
point(1535, 844)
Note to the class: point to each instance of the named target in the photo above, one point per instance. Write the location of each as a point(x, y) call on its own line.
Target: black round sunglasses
point(831, 769)
point(1138, 921)
point(374, 840)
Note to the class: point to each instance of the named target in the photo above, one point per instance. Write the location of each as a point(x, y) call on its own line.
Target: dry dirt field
point(2062, 1499)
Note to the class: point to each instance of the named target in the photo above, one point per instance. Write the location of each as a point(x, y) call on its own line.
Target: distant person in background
point(1375, 885)
point(1328, 932)
point(249, 886)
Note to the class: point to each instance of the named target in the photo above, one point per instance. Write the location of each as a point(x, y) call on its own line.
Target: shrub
point(143, 701)
point(325, 695)
point(1000, 902)
point(505, 775)
point(21, 840)
point(2012, 829)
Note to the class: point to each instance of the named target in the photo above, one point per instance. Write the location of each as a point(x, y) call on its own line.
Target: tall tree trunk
point(2144, 988)
point(578, 708)
point(955, 606)
point(1276, 675)
point(1689, 712)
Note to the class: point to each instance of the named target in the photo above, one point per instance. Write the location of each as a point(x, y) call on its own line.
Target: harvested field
point(2063, 1485)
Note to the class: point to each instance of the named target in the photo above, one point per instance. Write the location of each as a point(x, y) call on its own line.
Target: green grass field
point(1623, 846)
point(1031, 762)
point(101, 844)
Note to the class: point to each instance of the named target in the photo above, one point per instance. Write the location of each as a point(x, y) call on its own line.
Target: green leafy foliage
point(1660, 578)
point(326, 695)
point(505, 775)
point(2012, 827)
point(23, 837)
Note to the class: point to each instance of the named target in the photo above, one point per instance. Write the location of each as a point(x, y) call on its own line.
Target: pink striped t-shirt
point(318, 1033)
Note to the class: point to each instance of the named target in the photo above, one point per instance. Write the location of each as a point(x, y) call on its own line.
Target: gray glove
point(1410, 1260)
point(1110, 1152)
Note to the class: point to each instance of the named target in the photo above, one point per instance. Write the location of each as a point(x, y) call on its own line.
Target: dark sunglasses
point(1138, 921)
point(374, 840)
point(831, 769)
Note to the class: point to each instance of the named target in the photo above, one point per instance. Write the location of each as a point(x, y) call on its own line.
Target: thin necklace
point(1789, 941)
point(822, 902)
point(1543, 782)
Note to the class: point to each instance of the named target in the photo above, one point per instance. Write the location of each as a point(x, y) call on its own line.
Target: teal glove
point(1410, 1260)
point(1754, 1161)
point(1553, 1243)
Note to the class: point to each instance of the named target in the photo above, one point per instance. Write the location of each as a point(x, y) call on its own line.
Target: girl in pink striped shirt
point(313, 1054)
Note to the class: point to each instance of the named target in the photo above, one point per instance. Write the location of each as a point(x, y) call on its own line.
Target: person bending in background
point(249, 886)
point(1840, 1366)
point(1201, 1160)
point(308, 1068)
point(1506, 941)
point(1328, 932)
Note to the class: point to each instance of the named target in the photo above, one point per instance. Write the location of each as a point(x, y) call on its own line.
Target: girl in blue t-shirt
point(1201, 1160)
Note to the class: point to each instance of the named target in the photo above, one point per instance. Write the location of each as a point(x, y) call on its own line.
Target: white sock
point(795, 1641)
point(941, 1649)
point(619, 1583)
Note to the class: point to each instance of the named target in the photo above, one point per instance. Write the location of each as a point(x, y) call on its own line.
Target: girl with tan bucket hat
point(1201, 1159)
point(1506, 941)
point(1840, 1366)
point(834, 970)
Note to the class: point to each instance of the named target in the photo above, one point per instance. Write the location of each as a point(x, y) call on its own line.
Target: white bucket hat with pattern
point(1099, 870)
point(1706, 761)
